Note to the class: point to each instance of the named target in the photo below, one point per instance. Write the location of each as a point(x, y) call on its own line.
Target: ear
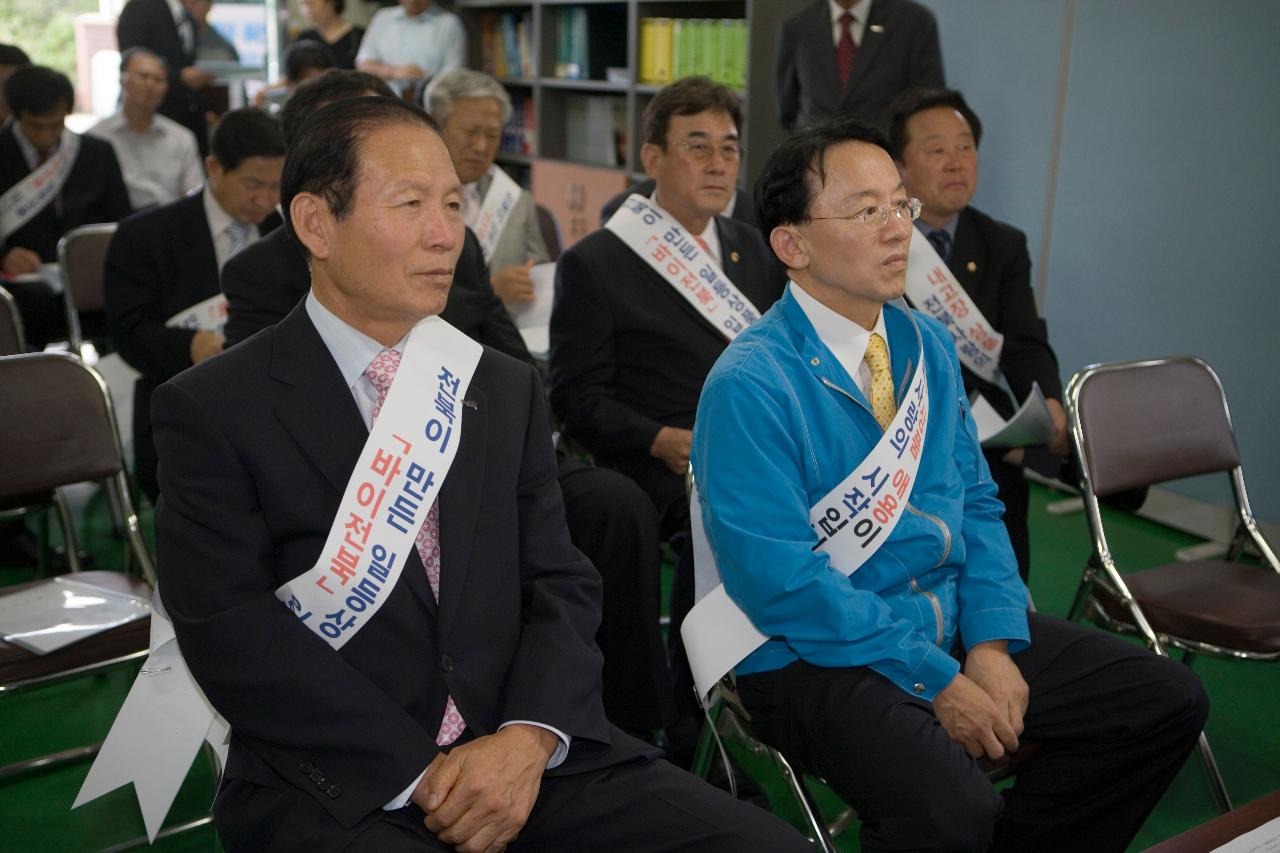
point(790, 247)
point(311, 221)
point(650, 155)
point(213, 167)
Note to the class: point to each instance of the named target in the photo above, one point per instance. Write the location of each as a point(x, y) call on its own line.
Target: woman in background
point(331, 29)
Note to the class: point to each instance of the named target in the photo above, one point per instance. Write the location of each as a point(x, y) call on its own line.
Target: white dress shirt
point(160, 164)
point(353, 351)
point(845, 338)
point(220, 223)
point(709, 237)
point(859, 10)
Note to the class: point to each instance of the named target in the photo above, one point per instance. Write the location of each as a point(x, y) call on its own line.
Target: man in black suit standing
point(452, 700)
point(629, 351)
point(51, 180)
point(167, 29)
point(934, 138)
point(852, 57)
point(164, 307)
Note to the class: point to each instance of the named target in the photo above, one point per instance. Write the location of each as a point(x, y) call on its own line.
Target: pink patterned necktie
point(381, 371)
point(846, 49)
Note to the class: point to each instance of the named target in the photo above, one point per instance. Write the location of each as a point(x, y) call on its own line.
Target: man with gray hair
point(471, 108)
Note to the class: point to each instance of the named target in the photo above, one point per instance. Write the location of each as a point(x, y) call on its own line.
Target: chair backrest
point(1144, 422)
point(58, 427)
point(12, 338)
point(550, 231)
point(82, 254)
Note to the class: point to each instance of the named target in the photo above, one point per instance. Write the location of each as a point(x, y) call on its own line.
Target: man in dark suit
point(345, 747)
point(610, 519)
point(166, 260)
point(852, 57)
point(628, 352)
point(742, 206)
point(166, 29)
point(934, 138)
point(91, 190)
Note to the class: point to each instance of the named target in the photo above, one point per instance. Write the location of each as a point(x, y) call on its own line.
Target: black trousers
point(1114, 721)
point(43, 318)
point(614, 523)
point(645, 806)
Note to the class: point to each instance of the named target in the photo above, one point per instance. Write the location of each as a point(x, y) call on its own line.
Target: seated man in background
point(471, 109)
point(414, 41)
point(629, 348)
point(12, 58)
point(444, 695)
point(934, 137)
point(610, 519)
point(51, 180)
point(741, 205)
point(853, 522)
point(164, 307)
point(159, 157)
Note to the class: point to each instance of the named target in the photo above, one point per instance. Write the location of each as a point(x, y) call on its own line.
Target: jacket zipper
point(835, 387)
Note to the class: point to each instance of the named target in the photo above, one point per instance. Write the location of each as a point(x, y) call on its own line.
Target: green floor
point(36, 815)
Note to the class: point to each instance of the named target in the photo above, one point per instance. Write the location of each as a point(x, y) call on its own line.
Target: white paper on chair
point(1030, 425)
point(59, 611)
point(1264, 839)
point(533, 319)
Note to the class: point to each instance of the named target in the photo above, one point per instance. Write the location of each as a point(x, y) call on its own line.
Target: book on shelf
point(595, 130)
point(519, 134)
point(683, 47)
point(505, 45)
point(589, 41)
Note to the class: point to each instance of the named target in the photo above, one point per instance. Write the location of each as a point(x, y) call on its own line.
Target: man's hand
point(672, 445)
point(19, 261)
point(478, 796)
point(205, 345)
point(989, 666)
point(1060, 443)
point(972, 719)
point(513, 284)
point(196, 78)
point(408, 72)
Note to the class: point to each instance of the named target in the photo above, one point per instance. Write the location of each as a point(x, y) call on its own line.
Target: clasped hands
point(982, 708)
point(478, 796)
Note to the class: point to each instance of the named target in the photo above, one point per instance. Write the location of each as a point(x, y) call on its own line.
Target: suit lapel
point(869, 46)
point(460, 503)
point(968, 261)
point(202, 257)
point(818, 39)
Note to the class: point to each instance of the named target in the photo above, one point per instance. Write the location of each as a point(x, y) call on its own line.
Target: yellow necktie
point(877, 358)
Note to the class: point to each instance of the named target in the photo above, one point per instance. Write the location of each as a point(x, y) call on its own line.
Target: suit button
point(307, 768)
point(446, 663)
point(334, 792)
point(919, 688)
point(317, 777)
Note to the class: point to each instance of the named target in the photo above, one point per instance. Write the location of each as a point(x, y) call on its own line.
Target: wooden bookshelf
point(613, 41)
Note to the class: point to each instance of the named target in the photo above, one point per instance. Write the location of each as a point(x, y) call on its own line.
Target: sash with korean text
point(29, 196)
point(208, 315)
point(400, 472)
point(851, 523)
point(675, 255)
point(934, 290)
point(495, 211)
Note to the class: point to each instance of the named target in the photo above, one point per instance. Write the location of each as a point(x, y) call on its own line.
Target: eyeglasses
point(908, 210)
point(703, 151)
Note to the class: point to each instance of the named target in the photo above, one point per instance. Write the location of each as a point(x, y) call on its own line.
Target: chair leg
point(1220, 794)
point(1081, 600)
point(68, 531)
point(817, 828)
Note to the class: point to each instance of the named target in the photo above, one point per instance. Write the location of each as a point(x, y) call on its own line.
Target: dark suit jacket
point(629, 354)
point(1000, 285)
point(150, 24)
point(899, 49)
point(94, 192)
point(744, 205)
point(257, 446)
point(265, 281)
point(160, 261)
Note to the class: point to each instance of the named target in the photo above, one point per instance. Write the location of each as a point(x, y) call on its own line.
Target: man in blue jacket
point(855, 523)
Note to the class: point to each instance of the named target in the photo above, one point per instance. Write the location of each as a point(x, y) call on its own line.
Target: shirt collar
point(430, 12)
point(859, 10)
point(176, 9)
point(351, 349)
point(845, 338)
point(28, 150)
point(218, 218)
point(926, 229)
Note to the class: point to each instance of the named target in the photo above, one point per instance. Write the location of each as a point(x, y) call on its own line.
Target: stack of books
point(571, 43)
point(672, 48)
point(506, 45)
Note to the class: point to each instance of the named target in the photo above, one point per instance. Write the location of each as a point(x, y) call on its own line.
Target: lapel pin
point(876, 28)
point(733, 256)
point(471, 404)
point(971, 266)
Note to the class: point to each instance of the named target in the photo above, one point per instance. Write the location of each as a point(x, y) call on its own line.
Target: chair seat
point(1211, 601)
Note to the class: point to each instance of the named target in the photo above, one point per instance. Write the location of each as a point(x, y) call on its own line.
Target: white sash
point(29, 196)
point(400, 472)
point(404, 463)
point(935, 291)
point(676, 256)
point(851, 523)
point(495, 211)
point(209, 315)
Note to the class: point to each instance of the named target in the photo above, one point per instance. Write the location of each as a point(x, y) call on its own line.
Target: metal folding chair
point(1140, 423)
point(82, 256)
point(13, 341)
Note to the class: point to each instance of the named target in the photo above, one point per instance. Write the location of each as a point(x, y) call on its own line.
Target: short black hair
point(244, 133)
point(686, 97)
point(336, 84)
point(914, 101)
point(36, 90)
point(796, 170)
point(306, 55)
point(139, 50)
point(11, 54)
point(324, 158)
